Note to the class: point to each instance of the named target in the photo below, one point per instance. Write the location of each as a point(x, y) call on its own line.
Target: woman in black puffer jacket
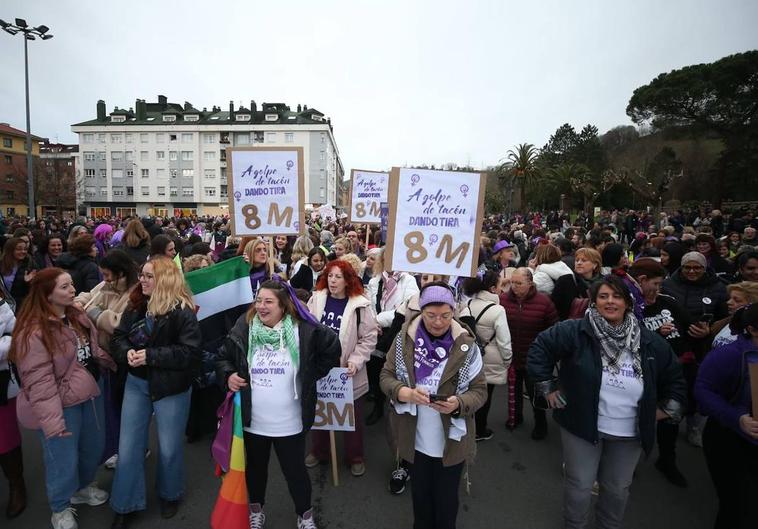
point(80, 263)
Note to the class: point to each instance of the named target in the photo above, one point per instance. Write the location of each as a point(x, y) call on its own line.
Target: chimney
point(163, 102)
point(141, 110)
point(231, 110)
point(305, 107)
point(253, 106)
point(299, 107)
point(101, 110)
point(187, 105)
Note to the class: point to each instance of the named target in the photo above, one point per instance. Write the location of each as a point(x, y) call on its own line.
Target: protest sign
point(327, 212)
point(334, 402)
point(385, 213)
point(266, 190)
point(435, 221)
point(368, 190)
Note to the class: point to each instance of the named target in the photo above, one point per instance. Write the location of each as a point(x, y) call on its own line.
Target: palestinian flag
point(222, 293)
point(231, 509)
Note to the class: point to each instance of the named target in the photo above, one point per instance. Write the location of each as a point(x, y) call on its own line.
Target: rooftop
point(7, 129)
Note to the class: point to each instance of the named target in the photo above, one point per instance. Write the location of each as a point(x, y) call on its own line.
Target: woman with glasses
point(617, 379)
point(740, 294)
point(434, 377)
point(158, 337)
point(274, 355)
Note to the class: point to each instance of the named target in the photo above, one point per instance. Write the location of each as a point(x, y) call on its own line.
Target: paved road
point(515, 482)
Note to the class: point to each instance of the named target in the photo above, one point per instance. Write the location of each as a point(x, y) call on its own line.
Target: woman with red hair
point(338, 302)
point(59, 361)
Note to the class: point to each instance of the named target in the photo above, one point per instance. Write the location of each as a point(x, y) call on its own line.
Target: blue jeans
point(71, 462)
point(128, 492)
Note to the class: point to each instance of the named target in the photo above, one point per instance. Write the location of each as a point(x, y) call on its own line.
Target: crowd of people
point(620, 326)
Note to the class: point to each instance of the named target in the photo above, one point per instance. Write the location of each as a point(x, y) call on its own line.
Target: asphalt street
point(515, 482)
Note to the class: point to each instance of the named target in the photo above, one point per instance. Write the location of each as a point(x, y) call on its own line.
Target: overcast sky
point(405, 82)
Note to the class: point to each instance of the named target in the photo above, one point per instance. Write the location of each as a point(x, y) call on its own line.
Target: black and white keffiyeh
point(615, 339)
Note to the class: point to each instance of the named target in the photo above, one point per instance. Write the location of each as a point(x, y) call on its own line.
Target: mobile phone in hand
point(433, 397)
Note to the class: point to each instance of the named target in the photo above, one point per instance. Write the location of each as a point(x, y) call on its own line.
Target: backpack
point(471, 322)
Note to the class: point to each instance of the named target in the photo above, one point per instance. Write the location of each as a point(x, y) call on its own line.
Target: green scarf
point(260, 335)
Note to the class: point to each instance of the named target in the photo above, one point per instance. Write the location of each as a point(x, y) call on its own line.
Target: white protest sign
point(266, 190)
point(435, 221)
point(368, 191)
point(334, 405)
point(327, 212)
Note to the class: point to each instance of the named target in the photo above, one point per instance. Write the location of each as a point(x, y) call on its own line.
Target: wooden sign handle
point(333, 450)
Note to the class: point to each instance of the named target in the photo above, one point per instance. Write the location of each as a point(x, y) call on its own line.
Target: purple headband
point(302, 311)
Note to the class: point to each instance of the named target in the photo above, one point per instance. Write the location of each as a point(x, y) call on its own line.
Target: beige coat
point(357, 341)
point(104, 306)
point(492, 328)
point(405, 424)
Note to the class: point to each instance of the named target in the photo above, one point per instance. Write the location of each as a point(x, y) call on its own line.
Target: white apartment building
point(168, 159)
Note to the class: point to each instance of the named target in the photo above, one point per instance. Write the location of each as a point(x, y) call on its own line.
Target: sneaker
point(66, 519)
point(257, 518)
point(111, 462)
point(312, 461)
point(672, 473)
point(695, 436)
point(90, 495)
point(485, 436)
point(358, 469)
point(169, 508)
point(596, 489)
point(306, 521)
point(398, 480)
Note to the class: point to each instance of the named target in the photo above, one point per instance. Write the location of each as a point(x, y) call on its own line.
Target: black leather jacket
point(173, 350)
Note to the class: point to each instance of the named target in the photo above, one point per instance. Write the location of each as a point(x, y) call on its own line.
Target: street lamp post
point(28, 34)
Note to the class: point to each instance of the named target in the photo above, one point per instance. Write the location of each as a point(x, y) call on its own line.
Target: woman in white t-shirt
point(616, 380)
point(274, 355)
point(740, 294)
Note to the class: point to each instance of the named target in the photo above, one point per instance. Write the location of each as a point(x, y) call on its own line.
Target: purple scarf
point(258, 276)
point(429, 352)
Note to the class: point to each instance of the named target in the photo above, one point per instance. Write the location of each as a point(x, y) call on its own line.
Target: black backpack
point(471, 322)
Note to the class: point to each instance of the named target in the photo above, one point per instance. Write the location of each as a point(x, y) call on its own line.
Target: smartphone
point(436, 398)
point(706, 318)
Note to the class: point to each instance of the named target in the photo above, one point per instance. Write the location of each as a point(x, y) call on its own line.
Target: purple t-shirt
point(333, 311)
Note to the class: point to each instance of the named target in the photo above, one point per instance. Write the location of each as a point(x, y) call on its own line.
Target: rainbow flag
point(231, 509)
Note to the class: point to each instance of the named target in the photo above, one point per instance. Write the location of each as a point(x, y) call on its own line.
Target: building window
point(118, 119)
point(89, 156)
point(172, 137)
point(117, 173)
point(103, 191)
point(129, 191)
point(116, 138)
point(323, 137)
point(243, 138)
point(210, 191)
point(160, 173)
point(129, 156)
point(143, 137)
point(160, 155)
point(160, 138)
point(118, 191)
point(188, 191)
point(191, 117)
point(272, 117)
point(101, 155)
point(172, 156)
point(210, 173)
point(242, 117)
point(89, 173)
point(223, 193)
point(117, 156)
point(209, 138)
point(186, 137)
point(88, 138)
point(174, 173)
point(9, 195)
point(144, 156)
point(161, 191)
point(209, 156)
point(289, 137)
point(70, 163)
point(10, 178)
point(169, 117)
point(145, 190)
point(145, 173)
point(174, 191)
point(8, 143)
point(129, 138)
point(130, 173)
point(257, 137)
point(322, 156)
point(188, 172)
point(187, 156)
point(101, 138)
point(271, 137)
point(103, 173)
point(90, 191)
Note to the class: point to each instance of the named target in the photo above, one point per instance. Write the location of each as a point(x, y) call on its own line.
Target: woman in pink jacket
point(339, 303)
point(59, 361)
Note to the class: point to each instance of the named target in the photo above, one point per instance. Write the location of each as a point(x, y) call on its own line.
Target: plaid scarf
point(615, 339)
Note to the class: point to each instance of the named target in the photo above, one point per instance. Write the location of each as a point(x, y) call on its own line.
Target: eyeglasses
point(438, 317)
point(693, 268)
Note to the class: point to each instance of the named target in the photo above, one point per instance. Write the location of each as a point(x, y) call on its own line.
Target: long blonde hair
point(250, 253)
point(170, 290)
point(135, 233)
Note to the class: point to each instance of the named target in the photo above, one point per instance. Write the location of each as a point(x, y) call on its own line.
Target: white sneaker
point(66, 519)
point(257, 518)
point(306, 521)
point(90, 495)
point(111, 462)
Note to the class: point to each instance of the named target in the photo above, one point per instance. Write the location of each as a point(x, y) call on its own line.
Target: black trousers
point(373, 371)
point(434, 489)
point(522, 379)
point(667, 434)
point(290, 451)
point(480, 417)
point(733, 464)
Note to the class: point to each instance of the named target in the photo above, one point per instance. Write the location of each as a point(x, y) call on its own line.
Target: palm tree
point(575, 177)
point(521, 167)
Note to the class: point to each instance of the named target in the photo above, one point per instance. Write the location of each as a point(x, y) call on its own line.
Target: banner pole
point(333, 449)
point(368, 235)
point(272, 270)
